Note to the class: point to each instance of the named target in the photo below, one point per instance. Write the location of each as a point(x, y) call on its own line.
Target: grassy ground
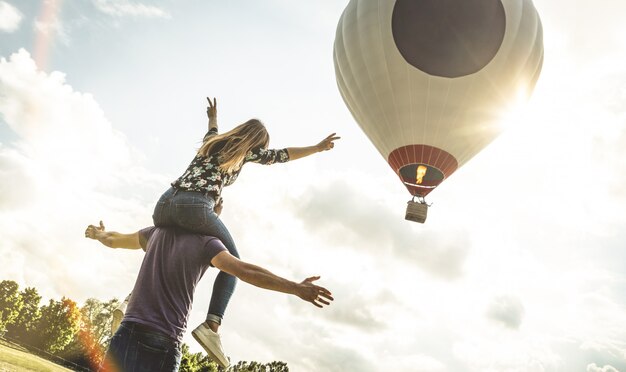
point(12, 359)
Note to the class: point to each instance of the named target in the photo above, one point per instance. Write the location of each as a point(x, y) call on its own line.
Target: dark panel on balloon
point(431, 177)
point(406, 160)
point(448, 38)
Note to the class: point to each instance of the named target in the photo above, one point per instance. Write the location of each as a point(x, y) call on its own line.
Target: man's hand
point(327, 143)
point(94, 232)
point(211, 110)
point(318, 296)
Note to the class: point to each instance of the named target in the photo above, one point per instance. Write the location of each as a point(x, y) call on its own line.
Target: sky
point(519, 267)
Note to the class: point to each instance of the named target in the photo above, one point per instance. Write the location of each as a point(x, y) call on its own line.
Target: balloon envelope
point(427, 80)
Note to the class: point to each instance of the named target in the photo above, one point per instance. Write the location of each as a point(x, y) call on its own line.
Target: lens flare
point(513, 114)
point(47, 27)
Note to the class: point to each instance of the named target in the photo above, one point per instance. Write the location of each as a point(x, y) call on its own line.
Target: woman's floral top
point(204, 175)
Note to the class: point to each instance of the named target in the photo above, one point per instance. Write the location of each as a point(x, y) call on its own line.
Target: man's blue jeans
point(193, 211)
point(138, 348)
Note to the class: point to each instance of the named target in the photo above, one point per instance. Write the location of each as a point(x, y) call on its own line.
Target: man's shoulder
point(181, 240)
point(144, 236)
point(176, 232)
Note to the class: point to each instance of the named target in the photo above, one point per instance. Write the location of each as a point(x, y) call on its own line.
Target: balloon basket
point(416, 211)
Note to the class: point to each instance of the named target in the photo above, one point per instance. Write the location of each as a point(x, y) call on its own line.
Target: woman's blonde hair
point(236, 144)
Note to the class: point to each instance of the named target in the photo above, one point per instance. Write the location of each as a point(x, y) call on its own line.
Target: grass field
point(13, 360)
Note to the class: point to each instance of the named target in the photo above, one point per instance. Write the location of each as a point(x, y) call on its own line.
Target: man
point(151, 332)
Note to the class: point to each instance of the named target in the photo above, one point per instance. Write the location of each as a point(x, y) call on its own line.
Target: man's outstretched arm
point(113, 239)
point(260, 277)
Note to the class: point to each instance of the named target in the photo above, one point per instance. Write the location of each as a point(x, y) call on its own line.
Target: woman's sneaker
point(118, 314)
point(211, 343)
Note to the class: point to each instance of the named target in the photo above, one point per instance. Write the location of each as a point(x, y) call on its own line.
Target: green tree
point(97, 316)
point(259, 367)
point(23, 326)
point(195, 362)
point(10, 303)
point(90, 342)
point(82, 335)
point(199, 362)
point(59, 323)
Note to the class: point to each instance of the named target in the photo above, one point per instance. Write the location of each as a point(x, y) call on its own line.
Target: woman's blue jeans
point(137, 348)
point(193, 211)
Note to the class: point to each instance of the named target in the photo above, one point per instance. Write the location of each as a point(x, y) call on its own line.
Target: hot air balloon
point(427, 80)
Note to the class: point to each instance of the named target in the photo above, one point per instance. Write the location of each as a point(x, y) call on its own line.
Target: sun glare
point(515, 112)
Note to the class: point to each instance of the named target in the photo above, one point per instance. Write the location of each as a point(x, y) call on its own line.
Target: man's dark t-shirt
point(174, 263)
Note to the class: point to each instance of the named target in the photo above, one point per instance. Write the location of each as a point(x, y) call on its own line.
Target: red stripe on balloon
point(422, 154)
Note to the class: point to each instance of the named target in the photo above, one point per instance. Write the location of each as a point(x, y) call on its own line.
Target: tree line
point(77, 336)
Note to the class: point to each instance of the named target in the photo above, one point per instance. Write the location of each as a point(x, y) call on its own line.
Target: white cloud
point(15, 169)
point(61, 130)
point(10, 17)
point(121, 8)
point(607, 368)
point(58, 176)
point(342, 213)
point(508, 310)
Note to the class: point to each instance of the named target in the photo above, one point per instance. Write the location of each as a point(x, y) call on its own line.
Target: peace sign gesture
point(327, 143)
point(211, 110)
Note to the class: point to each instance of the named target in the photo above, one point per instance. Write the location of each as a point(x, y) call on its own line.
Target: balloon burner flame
point(420, 173)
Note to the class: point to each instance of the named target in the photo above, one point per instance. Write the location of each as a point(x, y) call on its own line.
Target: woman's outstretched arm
point(300, 152)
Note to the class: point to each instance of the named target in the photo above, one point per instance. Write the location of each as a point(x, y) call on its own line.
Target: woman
point(194, 198)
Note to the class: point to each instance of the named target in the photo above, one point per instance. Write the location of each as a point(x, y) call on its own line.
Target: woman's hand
point(219, 206)
point(300, 152)
point(327, 143)
point(211, 110)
